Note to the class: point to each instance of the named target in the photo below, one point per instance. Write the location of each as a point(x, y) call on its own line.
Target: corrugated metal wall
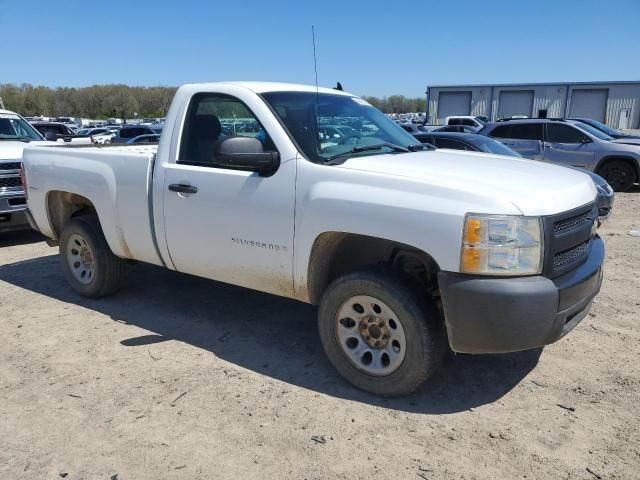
point(479, 102)
point(553, 98)
point(623, 97)
point(545, 97)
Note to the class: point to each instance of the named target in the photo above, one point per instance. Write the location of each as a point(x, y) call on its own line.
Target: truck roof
point(264, 87)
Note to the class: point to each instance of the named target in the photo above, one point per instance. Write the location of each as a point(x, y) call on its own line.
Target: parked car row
point(480, 143)
point(57, 131)
point(572, 143)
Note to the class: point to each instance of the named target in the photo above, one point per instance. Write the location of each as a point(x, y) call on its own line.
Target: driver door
point(229, 225)
point(567, 146)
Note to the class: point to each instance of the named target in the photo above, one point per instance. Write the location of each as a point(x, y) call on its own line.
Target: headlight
point(501, 245)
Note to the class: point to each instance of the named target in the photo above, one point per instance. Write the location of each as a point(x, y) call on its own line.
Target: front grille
point(10, 166)
point(567, 239)
point(571, 223)
point(571, 255)
point(10, 182)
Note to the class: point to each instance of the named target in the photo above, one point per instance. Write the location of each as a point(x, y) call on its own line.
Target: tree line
point(123, 101)
point(95, 102)
point(398, 104)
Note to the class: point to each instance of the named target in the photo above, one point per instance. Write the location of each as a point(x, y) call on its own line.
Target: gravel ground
point(179, 377)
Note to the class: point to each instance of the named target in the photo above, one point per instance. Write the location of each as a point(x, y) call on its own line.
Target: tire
point(104, 272)
point(619, 174)
point(416, 319)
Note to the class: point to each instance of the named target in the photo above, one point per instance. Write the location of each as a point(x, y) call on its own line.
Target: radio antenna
point(315, 60)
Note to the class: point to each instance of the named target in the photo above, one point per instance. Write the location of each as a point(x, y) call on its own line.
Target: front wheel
point(380, 332)
point(620, 175)
point(88, 263)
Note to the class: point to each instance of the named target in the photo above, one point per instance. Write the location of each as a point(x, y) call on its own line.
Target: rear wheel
point(619, 174)
point(88, 263)
point(380, 333)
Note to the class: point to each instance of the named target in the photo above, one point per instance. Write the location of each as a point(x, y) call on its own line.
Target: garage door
point(515, 102)
point(453, 103)
point(589, 103)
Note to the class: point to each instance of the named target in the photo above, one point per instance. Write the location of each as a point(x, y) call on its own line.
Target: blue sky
point(373, 48)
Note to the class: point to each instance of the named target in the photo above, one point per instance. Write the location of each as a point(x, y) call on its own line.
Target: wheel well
point(337, 253)
point(628, 160)
point(62, 206)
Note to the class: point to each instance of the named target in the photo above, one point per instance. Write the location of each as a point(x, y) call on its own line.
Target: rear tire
point(88, 263)
point(381, 332)
point(619, 174)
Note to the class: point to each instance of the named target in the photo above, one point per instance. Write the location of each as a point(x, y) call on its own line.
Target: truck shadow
point(270, 335)
point(22, 237)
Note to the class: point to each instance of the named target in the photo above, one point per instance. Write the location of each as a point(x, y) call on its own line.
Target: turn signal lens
point(472, 231)
point(23, 180)
point(471, 259)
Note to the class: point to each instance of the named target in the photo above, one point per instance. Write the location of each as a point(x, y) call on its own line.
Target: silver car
point(571, 143)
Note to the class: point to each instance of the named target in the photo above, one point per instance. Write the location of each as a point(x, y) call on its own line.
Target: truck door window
point(211, 118)
point(557, 133)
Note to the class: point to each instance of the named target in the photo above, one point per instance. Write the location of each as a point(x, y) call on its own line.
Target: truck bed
point(116, 178)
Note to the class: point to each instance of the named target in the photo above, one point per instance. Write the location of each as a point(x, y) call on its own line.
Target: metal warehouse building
point(615, 103)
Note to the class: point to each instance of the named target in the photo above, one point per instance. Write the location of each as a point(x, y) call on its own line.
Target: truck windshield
point(326, 126)
point(14, 127)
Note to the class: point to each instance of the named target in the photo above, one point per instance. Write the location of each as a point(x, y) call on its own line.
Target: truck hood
point(534, 187)
point(12, 150)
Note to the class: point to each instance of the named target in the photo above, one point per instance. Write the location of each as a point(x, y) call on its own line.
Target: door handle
point(180, 188)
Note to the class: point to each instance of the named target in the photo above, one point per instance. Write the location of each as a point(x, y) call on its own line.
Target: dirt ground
point(179, 377)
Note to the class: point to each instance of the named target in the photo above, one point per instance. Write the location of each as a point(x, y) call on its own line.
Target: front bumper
point(498, 315)
point(12, 212)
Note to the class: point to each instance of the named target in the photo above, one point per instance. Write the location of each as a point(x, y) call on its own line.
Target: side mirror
point(247, 153)
point(585, 139)
point(51, 136)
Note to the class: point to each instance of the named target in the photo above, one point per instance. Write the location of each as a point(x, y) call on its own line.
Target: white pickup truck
point(15, 134)
point(406, 249)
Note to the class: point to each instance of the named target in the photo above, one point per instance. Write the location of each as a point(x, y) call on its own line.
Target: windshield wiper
point(20, 139)
point(421, 146)
point(373, 146)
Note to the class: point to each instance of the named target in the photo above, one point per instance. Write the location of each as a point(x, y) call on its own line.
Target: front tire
point(619, 174)
point(380, 332)
point(88, 263)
